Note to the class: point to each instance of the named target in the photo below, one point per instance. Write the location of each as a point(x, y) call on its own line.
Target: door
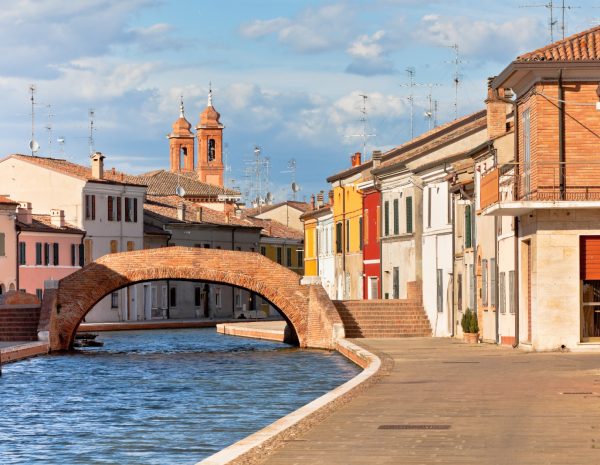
point(373, 287)
point(589, 247)
point(147, 302)
point(526, 287)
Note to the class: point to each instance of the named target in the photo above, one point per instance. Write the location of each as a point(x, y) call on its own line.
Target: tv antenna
point(49, 129)
point(256, 174)
point(552, 21)
point(33, 145)
point(292, 169)
point(91, 136)
point(364, 120)
point(61, 144)
point(457, 78)
point(411, 97)
point(432, 112)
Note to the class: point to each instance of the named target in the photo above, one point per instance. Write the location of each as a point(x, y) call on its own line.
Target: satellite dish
point(180, 191)
point(34, 146)
point(295, 187)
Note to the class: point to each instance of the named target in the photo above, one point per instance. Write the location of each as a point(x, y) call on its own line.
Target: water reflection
point(155, 397)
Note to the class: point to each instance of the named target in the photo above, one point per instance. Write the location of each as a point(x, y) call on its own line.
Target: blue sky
point(287, 75)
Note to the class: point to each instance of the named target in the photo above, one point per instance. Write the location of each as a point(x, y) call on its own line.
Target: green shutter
point(2, 247)
point(396, 217)
point(468, 226)
point(386, 221)
point(409, 215)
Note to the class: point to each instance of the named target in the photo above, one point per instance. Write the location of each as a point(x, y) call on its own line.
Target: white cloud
point(312, 30)
point(484, 39)
point(369, 55)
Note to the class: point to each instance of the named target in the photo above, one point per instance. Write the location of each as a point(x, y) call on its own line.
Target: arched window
point(211, 149)
point(182, 156)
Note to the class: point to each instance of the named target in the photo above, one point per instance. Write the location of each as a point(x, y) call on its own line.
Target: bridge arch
point(307, 308)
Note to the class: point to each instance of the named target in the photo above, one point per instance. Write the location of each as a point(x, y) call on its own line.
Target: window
point(22, 253)
point(459, 292)
point(360, 233)
point(173, 296)
point(300, 258)
point(238, 298)
point(396, 216)
point(130, 246)
point(81, 255)
point(409, 215)
point(163, 297)
point(38, 253)
point(2, 245)
point(73, 254)
point(114, 246)
point(90, 207)
point(154, 293)
point(440, 290)
point(338, 238)
point(484, 280)
point(429, 195)
point(130, 210)
point(493, 282)
point(197, 296)
point(46, 254)
point(114, 208)
point(263, 250)
point(279, 259)
point(511, 291)
point(468, 226)
point(347, 235)
point(40, 294)
point(449, 213)
point(396, 283)
point(502, 290)
point(288, 256)
point(386, 218)
point(55, 254)
point(211, 150)
point(218, 297)
point(114, 300)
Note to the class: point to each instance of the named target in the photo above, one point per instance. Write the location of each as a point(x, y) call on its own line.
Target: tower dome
point(182, 127)
point(181, 143)
point(210, 118)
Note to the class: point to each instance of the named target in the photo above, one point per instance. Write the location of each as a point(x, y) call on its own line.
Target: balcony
point(516, 189)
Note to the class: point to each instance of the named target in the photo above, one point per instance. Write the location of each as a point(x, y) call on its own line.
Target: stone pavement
point(452, 403)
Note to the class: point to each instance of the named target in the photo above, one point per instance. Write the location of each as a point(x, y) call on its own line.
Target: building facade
point(8, 245)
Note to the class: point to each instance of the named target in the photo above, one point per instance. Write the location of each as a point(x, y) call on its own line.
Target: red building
point(371, 246)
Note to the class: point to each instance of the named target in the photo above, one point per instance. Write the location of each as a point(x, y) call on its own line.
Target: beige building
point(8, 245)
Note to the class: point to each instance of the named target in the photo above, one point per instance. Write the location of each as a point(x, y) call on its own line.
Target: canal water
point(155, 397)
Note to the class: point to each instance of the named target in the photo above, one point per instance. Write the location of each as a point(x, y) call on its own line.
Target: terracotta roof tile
point(77, 171)
point(165, 207)
point(302, 206)
point(43, 223)
point(275, 229)
point(6, 201)
point(584, 45)
point(162, 182)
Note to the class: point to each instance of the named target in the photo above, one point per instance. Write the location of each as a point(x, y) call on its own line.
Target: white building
point(325, 252)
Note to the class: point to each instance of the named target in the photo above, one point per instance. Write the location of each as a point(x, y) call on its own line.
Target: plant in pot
point(469, 326)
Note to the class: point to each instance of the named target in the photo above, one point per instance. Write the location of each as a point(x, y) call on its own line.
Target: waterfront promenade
point(452, 403)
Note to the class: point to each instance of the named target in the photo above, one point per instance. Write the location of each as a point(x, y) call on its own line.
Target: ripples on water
point(155, 397)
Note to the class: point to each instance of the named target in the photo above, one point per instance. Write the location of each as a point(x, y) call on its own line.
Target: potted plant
point(470, 327)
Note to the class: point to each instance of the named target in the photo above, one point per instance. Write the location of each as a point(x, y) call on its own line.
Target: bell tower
point(181, 143)
point(210, 145)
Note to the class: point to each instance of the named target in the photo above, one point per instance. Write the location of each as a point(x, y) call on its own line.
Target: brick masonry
point(307, 309)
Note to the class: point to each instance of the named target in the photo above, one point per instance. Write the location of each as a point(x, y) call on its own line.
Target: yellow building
point(311, 262)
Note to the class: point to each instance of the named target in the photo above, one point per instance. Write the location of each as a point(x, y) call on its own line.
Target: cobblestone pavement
point(453, 403)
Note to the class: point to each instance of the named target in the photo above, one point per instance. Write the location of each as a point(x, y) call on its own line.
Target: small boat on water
point(87, 340)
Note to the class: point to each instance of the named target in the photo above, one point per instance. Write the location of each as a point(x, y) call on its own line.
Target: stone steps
point(19, 324)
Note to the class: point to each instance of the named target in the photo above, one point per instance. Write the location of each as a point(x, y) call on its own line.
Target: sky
point(286, 75)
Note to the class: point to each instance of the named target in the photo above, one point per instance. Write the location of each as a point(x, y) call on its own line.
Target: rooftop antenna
point(292, 169)
point(364, 120)
point(91, 136)
point(432, 111)
point(210, 94)
point(257, 175)
point(49, 129)
point(551, 22)
point(456, 62)
point(61, 144)
point(33, 145)
point(411, 98)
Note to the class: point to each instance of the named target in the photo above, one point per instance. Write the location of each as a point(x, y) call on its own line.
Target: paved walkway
point(492, 405)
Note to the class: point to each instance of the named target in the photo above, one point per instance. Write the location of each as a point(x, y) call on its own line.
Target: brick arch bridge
point(306, 308)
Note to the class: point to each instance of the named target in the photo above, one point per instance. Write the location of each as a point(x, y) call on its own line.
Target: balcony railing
point(541, 182)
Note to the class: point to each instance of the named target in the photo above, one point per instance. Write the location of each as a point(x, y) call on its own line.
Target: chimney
point(312, 201)
point(181, 211)
point(320, 199)
point(331, 198)
point(376, 158)
point(355, 159)
point(496, 111)
point(24, 212)
point(57, 218)
point(98, 165)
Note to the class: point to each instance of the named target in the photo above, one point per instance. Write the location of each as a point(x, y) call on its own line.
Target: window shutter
point(467, 226)
point(360, 233)
point(2, 244)
point(396, 217)
point(409, 215)
point(110, 207)
point(118, 208)
point(135, 210)
point(493, 281)
point(484, 279)
point(38, 253)
point(127, 209)
point(440, 289)
point(386, 218)
point(55, 255)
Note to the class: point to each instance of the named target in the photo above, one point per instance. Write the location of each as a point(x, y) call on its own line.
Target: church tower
point(181, 144)
point(210, 145)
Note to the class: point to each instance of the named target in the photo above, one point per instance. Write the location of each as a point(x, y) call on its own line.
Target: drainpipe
point(343, 241)
point(561, 136)
point(454, 282)
point(496, 280)
point(18, 271)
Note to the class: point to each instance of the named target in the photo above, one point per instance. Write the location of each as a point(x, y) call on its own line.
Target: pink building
point(48, 248)
point(8, 245)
